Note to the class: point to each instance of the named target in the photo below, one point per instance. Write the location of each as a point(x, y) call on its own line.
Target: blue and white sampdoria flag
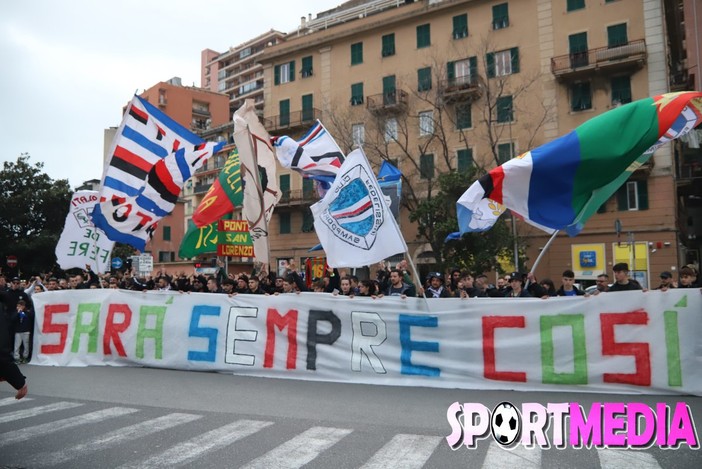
point(352, 221)
point(151, 157)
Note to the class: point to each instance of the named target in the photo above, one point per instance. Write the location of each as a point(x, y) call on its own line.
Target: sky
point(69, 66)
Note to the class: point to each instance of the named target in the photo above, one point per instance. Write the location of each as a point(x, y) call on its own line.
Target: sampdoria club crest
point(355, 213)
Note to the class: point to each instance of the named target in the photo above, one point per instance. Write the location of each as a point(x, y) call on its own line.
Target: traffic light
point(198, 265)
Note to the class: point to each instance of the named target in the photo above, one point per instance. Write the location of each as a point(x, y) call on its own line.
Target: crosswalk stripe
point(300, 450)
point(12, 400)
point(113, 438)
point(616, 458)
point(406, 451)
point(212, 440)
point(518, 458)
point(37, 431)
point(34, 411)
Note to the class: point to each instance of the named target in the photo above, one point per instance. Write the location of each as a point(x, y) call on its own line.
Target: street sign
point(116, 262)
point(146, 263)
point(12, 261)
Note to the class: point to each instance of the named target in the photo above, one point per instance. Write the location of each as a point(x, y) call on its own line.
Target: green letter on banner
point(672, 345)
point(91, 328)
point(577, 325)
point(156, 333)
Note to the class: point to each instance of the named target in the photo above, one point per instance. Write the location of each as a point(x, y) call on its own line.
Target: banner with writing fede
point(632, 342)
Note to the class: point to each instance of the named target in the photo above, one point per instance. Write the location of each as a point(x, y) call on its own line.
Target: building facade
point(436, 86)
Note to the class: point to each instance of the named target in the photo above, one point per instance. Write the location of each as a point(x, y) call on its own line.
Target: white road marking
point(517, 458)
point(12, 400)
point(300, 450)
point(405, 451)
point(616, 458)
point(192, 449)
point(34, 411)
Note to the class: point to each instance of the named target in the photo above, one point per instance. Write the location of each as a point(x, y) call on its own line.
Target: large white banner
point(81, 243)
point(617, 342)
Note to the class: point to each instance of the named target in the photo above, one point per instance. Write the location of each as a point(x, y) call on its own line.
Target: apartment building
point(437, 86)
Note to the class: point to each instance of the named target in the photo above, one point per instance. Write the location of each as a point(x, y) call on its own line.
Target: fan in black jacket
point(8, 369)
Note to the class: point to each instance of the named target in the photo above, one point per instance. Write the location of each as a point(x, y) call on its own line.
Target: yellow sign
point(588, 260)
point(635, 255)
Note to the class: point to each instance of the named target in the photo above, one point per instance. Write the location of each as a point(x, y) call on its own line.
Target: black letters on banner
point(313, 338)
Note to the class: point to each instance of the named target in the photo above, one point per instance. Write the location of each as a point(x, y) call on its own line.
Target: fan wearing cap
point(436, 288)
point(516, 286)
point(666, 281)
point(622, 282)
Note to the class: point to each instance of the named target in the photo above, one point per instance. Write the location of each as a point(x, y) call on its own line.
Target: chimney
point(302, 21)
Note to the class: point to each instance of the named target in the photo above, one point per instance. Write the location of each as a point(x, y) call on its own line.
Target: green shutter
point(276, 75)
point(622, 200)
point(292, 71)
point(426, 166)
point(514, 53)
point(356, 94)
point(284, 218)
point(575, 5)
point(423, 36)
point(357, 53)
point(307, 221)
point(389, 90)
point(451, 71)
point(465, 159)
point(284, 184)
point(616, 35)
point(424, 79)
point(621, 89)
point(500, 16)
point(642, 189)
point(463, 116)
point(505, 152)
point(307, 187)
point(581, 98)
point(460, 26)
point(577, 43)
point(490, 61)
point(473, 64)
point(284, 108)
point(166, 233)
point(505, 112)
point(388, 47)
point(307, 108)
point(306, 70)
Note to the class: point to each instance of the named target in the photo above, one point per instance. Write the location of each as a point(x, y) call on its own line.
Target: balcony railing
point(393, 102)
point(632, 54)
point(297, 197)
point(465, 88)
point(292, 121)
point(201, 188)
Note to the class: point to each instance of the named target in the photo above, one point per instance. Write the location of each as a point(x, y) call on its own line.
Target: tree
point(422, 123)
point(33, 210)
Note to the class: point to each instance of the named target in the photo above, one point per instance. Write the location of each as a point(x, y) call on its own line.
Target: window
point(284, 73)
point(616, 35)
point(464, 119)
point(306, 69)
point(464, 158)
point(500, 16)
point(391, 130)
point(307, 221)
point(462, 72)
point(166, 233)
point(388, 45)
point(577, 44)
point(357, 53)
point(580, 96)
point(284, 108)
point(389, 96)
point(426, 123)
point(505, 152)
point(505, 112)
point(356, 94)
point(621, 90)
point(358, 134)
point(284, 186)
point(575, 5)
point(284, 218)
point(307, 108)
point(633, 196)
point(424, 79)
point(423, 36)
point(166, 256)
point(426, 166)
point(460, 26)
point(502, 63)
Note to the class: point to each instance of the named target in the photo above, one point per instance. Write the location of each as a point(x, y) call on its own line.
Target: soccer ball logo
point(506, 423)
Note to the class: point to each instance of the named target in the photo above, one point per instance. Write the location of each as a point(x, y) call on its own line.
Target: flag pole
point(254, 172)
point(541, 254)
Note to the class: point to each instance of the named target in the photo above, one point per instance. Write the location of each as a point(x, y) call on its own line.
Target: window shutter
point(642, 188)
point(622, 202)
point(473, 64)
point(514, 52)
point(276, 75)
point(490, 60)
point(451, 71)
point(292, 71)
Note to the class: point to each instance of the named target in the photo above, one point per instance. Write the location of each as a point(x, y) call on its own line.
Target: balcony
point(293, 121)
point(391, 103)
point(201, 188)
point(604, 59)
point(460, 89)
point(298, 197)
